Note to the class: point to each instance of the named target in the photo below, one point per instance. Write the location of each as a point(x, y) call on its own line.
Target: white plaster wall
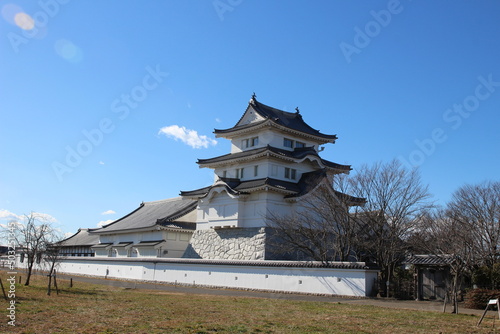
point(265, 169)
point(223, 210)
point(345, 282)
point(220, 210)
point(134, 237)
point(101, 252)
point(269, 137)
point(175, 245)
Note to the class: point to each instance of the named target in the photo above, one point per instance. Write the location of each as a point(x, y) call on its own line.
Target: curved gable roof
point(279, 117)
point(297, 154)
point(80, 238)
point(148, 214)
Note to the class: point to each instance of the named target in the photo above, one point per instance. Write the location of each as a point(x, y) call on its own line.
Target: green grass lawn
point(88, 308)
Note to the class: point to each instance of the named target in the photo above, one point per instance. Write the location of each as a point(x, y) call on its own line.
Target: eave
point(130, 230)
point(268, 123)
point(272, 152)
point(243, 188)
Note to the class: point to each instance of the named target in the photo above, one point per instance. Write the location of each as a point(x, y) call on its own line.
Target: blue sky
point(413, 80)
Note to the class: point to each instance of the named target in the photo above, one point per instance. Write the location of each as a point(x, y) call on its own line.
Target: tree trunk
point(51, 271)
point(455, 293)
point(30, 268)
point(50, 283)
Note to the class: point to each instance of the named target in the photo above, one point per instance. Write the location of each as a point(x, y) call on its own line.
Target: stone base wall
point(228, 244)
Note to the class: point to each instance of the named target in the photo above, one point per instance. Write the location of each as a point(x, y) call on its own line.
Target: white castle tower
point(273, 163)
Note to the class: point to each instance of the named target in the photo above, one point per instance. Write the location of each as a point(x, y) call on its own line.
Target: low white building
point(155, 229)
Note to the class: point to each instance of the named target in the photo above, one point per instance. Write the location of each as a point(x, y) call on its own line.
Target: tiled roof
point(350, 199)
point(123, 244)
point(298, 153)
point(430, 260)
point(258, 263)
point(310, 180)
point(80, 238)
point(148, 243)
point(270, 182)
point(307, 183)
point(103, 245)
point(197, 192)
point(237, 187)
point(289, 120)
point(150, 214)
point(177, 225)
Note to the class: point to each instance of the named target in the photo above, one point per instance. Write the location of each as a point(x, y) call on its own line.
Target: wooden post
point(445, 301)
point(71, 282)
point(19, 279)
point(50, 283)
point(55, 283)
point(491, 302)
point(3, 290)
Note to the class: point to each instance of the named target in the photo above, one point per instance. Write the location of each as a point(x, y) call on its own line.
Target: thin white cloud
point(104, 222)
point(45, 217)
point(7, 215)
point(218, 120)
point(187, 136)
point(109, 212)
point(101, 163)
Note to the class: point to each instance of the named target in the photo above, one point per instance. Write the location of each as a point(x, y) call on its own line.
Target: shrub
point(487, 277)
point(478, 298)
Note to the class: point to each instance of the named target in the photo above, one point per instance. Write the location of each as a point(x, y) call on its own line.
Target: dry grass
point(88, 308)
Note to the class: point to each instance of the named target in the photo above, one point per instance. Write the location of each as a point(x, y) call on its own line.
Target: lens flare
point(9, 11)
point(24, 21)
point(68, 51)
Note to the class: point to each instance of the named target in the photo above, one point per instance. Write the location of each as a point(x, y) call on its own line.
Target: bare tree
point(32, 236)
point(396, 200)
point(330, 225)
point(52, 257)
point(444, 237)
point(322, 228)
point(476, 209)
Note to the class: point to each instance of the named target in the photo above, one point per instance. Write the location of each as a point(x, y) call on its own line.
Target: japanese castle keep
point(273, 164)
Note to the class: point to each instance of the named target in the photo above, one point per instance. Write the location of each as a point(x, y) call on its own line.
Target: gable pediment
point(250, 116)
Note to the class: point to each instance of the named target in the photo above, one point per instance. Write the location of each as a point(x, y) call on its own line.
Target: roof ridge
point(166, 200)
point(273, 108)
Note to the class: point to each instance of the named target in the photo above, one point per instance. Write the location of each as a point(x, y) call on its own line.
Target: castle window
point(274, 170)
point(239, 173)
point(255, 170)
point(290, 173)
point(288, 142)
point(299, 144)
point(251, 142)
point(224, 173)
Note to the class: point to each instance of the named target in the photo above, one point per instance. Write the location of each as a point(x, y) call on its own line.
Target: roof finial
point(297, 110)
point(252, 100)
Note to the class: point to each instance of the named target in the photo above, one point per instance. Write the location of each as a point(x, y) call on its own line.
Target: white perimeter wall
point(344, 282)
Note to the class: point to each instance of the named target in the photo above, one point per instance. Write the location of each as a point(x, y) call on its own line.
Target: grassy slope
point(88, 308)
